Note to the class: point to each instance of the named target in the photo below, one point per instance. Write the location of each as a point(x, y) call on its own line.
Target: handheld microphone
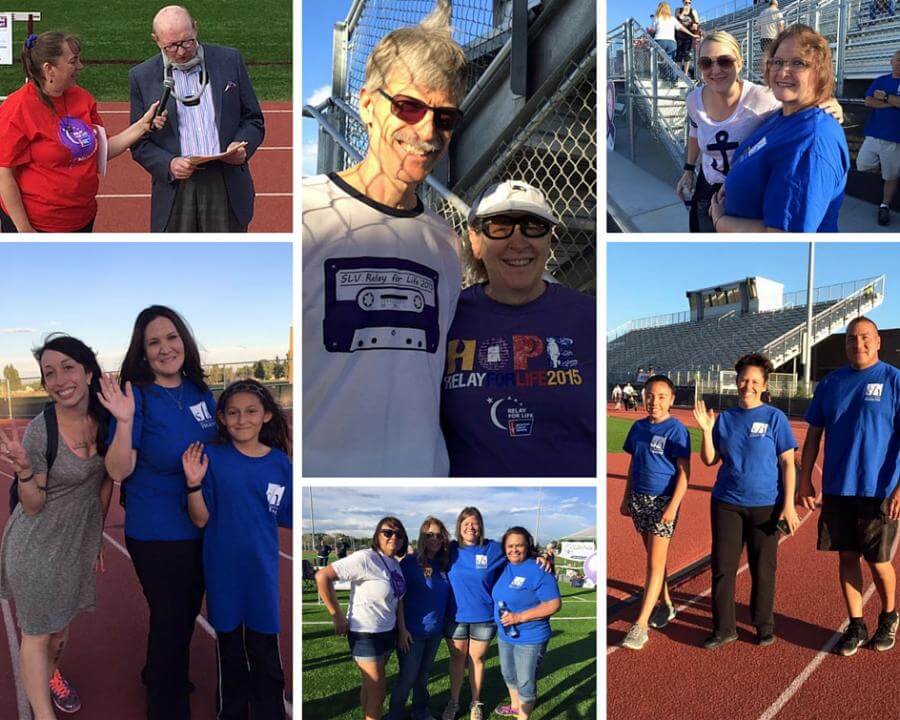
point(168, 86)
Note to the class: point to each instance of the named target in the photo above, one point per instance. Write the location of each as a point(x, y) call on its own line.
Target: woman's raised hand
point(120, 404)
point(149, 122)
point(705, 418)
point(194, 463)
point(14, 452)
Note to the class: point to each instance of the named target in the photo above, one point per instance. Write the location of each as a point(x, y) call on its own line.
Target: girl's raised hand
point(14, 452)
point(705, 418)
point(119, 404)
point(194, 463)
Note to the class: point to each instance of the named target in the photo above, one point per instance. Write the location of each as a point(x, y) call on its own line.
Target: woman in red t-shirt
point(49, 141)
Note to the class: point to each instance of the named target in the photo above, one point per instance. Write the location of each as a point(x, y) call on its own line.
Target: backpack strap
point(52, 434)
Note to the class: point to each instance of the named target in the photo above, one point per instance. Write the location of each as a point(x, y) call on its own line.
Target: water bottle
point(511, 630)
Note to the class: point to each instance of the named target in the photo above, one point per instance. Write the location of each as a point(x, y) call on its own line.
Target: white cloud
point(17, 331)
point(319, 95)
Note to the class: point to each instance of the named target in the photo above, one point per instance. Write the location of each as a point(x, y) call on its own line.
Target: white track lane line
point(805, 674)
point(118, 196)
point(741, 569)
point(201, 621)
point(12, 637)
point(552, 619)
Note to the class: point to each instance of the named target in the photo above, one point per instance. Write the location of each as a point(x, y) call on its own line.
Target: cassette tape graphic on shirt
point(380, 304)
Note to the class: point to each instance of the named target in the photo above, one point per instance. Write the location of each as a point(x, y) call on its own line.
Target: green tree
point(259, 370)
point(12, 375)
point(278, 371)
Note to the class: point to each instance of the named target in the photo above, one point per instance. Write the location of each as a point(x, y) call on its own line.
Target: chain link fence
point(555, 150)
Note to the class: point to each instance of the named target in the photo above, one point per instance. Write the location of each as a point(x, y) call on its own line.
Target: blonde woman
point(722, 112)
point(664, 27)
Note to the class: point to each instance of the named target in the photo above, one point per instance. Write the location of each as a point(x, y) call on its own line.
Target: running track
point(797, 678)
point(124, 198)
point(106, 648)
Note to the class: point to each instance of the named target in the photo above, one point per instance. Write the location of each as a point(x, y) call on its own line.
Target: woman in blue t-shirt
point(752, 500)
point(160, 405)
point(241, 492)
point(518, 396)
point(789, 174)
point(524, 599)
point(421, 624)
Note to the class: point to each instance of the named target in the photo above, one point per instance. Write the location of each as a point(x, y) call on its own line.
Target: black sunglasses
point(411, 111)
point(726, 62)
point(433, 536)
point(388, 533)
point(500, 227)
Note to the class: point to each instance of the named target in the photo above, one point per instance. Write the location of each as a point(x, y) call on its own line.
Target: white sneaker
point(475, 712)
point(636, 638)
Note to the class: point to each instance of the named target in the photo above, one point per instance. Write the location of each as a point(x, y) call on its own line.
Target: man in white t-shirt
point(381, 274)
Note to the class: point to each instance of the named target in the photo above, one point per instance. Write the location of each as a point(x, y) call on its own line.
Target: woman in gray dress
point(51, 543)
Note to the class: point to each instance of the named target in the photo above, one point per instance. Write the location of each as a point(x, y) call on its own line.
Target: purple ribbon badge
point(78, 138)
point(398, 584)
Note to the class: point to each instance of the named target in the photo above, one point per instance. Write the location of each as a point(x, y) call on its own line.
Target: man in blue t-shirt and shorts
point(859, 408)
point(881, 148)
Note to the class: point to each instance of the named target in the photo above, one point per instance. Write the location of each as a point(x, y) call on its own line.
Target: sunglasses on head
point(500, 227)
point(388, 533)
point(411, 111)
point(726, 62)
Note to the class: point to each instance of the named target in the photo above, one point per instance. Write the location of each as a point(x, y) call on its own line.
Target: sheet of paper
point(202, 159)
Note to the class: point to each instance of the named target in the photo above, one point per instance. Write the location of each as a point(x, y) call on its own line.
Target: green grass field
point(566, 685)
point(115, 35)
point(617, 429)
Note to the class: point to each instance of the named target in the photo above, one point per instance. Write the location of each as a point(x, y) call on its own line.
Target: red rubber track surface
point(124, 197)
point(796, 678)
point(106, 648)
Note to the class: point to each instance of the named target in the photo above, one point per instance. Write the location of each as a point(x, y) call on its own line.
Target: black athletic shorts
point(857, 524)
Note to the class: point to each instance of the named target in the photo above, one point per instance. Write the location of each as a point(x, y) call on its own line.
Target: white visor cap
point(511, 196)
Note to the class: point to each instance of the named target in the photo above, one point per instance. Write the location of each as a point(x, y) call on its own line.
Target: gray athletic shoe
point(886, 634)
point(636, 638)
point(661, 615)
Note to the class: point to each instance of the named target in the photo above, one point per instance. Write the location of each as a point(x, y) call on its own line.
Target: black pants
point(201, 203)
point(732, 528)
point(8, 226)
point(251, 678)
point(171, 576)
point(699, 219)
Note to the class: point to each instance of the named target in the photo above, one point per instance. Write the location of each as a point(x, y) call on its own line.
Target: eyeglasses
point(726, 62)
point(411, 111)
point(390, 533)
point(500, 227)
point(433, 536)
point(183, 45)
point(795, 65)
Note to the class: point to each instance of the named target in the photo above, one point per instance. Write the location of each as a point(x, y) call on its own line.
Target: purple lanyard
point(398, 584)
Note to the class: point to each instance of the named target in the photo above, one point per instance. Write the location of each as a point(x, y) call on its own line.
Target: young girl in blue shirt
point(240, 490)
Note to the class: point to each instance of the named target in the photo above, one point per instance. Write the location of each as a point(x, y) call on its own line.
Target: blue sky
point(645, 279)
point(618, 11)
point(318, 22)
point(357, 510)
point(235, 296)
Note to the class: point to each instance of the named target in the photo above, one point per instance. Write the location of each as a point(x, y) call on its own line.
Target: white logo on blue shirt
point(201, 412)
point(481, 561)
point(517, 582)
point(873, 392)
point(658, 445)
point(274, 493)
point(758, 429)
point(759, 146)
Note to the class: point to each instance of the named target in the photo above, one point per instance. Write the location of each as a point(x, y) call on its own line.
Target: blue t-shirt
point(860, 412)
point(523, 587)
point(654, 450)
point(791, 173)
point(247, 498)
point(749, 443)
point(519, 390)
point(473, 571)
point(166, 421)
point(884, 123)
point(427, 598)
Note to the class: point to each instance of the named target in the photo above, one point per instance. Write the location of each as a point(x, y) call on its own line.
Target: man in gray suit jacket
point(212, 109)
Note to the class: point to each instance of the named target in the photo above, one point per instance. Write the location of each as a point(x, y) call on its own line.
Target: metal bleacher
point(715, 343)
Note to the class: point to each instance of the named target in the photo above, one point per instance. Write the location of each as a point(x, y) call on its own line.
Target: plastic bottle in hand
point(511, 630)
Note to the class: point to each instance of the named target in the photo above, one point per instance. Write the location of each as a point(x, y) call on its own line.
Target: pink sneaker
point(64, 696)
point(506, 711)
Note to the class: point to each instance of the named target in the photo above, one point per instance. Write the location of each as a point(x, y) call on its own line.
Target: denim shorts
point(484, 631)
point(371, 646)
point(520, 664)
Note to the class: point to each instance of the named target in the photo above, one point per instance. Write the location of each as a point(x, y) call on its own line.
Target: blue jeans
point(415, 666)
point(669, 46)
point(519, 665)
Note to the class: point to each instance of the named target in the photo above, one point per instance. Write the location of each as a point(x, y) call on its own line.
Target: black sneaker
point(765, 638)
point(884, 215)
point(884, 636)
point(715, 640)
point(854, 638)
point(661, 615)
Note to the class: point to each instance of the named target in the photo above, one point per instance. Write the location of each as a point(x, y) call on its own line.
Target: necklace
point(176, 400)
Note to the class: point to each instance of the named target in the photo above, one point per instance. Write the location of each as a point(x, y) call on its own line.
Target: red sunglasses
point(411, 111)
